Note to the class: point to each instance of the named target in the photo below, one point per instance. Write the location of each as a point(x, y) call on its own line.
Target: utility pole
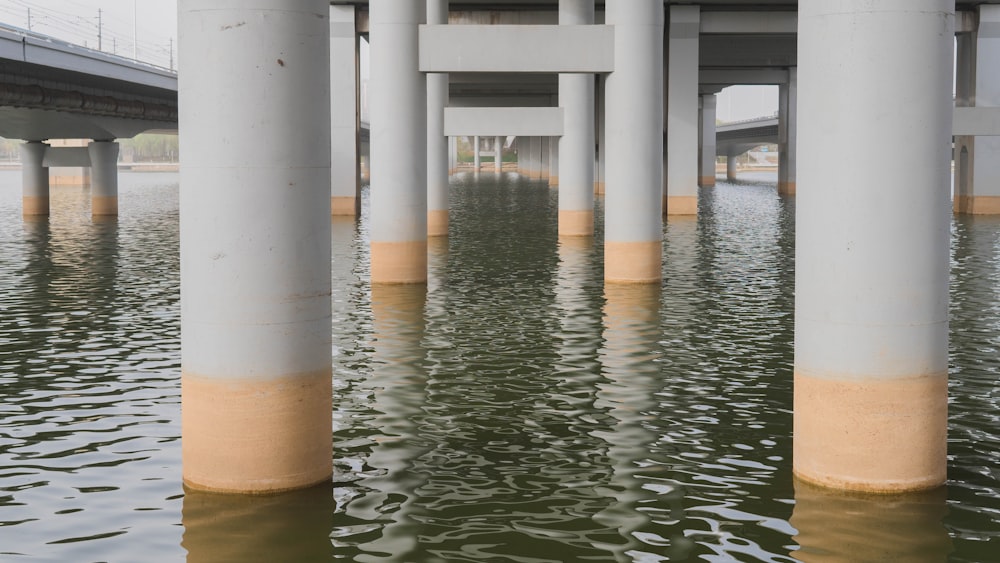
point(99, 29)
point(171, 53)
point(29, 19)
point(135, 38)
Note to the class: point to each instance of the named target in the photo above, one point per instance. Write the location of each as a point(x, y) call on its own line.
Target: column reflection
point(631, 372)
point(293, 526)
point(397, 386)
point(836, 527)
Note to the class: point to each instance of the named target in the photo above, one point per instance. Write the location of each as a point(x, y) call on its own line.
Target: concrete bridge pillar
point(731, 167)
point(255, 244)
point(977, 158)
point(871, 259)
point(34, 179)
point(452, 155)
point(576, 146)
point(707, 138)
point(476, 157)
point(553, 168)
point(543, 158)
point(633, 234)
point(682, 168)
point(398, 105)
point(600, 152)
point(498, 154)
point(345, 173)
point(787, 105)
point(103, 178)
point(437, 144)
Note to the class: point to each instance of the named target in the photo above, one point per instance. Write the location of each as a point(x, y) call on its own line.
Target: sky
point(156, 26)
point(77, 21)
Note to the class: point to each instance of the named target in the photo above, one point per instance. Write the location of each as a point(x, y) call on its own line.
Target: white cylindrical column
point(345, 171)
point(476, 156)
point(682, 168)
point(543, 158)
point(398, 102)
point(731, 167)
point(255, 244)
point(576, 146)
point(872, 238)
point(633, 108)
point(437, 143)
point(498, 154)
point(34, 179)
point(977, 158)
point(103, 178)
point(787, 105)
point(707, 176)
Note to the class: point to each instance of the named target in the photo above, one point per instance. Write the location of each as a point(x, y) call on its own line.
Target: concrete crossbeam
point(976, 121)
point(522, 121)
point(526, 48)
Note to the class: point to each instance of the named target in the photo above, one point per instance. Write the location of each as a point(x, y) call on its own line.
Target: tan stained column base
point(599, 188)
point(680, 205)
point(633, 262)
point(399, 262)
point(437, 223)
point(870, 435)
point(576, 223)
point(706, 181)
point(553, 180)
point(34, 205)
point(256, 435)
point(346, 205)
point(977, 205)
point(104, 205)
point(786, 188)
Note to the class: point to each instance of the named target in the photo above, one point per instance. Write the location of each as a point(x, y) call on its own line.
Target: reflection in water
point(629, 364)
point(396, 385)
point(838, 527)
point(292, 526)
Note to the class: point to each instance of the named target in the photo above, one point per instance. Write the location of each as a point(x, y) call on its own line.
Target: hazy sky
point(76, 21)
point(156, 25)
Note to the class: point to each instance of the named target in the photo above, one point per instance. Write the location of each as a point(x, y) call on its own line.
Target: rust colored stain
point(281, 62)
point(343, 206)
point(104, 205)
point(399, 262)
point(680, 205)
point(878, 436)
point(576, 223)
point(977, 205)
point(633, 262)
point(34, 205)
point(256, 436)
point(437, 223)
point(786, 188)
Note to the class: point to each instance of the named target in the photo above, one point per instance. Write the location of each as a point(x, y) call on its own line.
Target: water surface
point(514, 410)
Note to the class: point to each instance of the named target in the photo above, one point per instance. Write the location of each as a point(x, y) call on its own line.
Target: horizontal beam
point(517, 48)
point(734, 76)
point(523, 121)
point(66, 156)
point(976, 121)
point(747, 23)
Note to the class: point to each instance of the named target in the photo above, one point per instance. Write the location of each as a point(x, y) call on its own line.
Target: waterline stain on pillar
point(880, 436)
point(344, 205)
point(399, 262)
point(437, 223)
point(229, 422)
point(576, 223)
point(977, 205)
point(633, 262)
point(681, 204)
